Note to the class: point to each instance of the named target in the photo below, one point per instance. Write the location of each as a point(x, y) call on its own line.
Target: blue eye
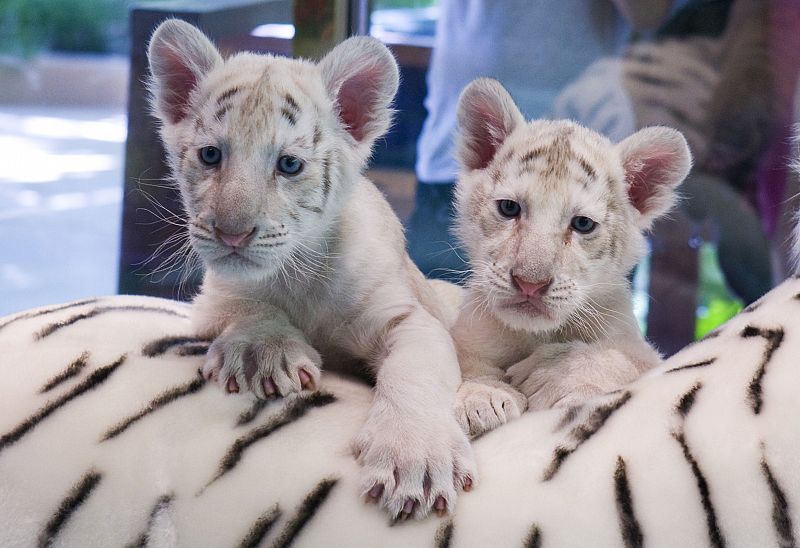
point(582, 224)
point(210, 156)
point(290, 165)
point(509, 208)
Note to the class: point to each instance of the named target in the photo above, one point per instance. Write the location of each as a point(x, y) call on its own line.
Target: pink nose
point(234, 240)
point(531, 289)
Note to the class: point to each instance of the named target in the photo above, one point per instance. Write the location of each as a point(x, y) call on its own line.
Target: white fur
point(580, 338)
point(325, 278)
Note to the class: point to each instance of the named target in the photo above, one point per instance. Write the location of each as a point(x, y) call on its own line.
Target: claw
point(467, 484)
point(232, 386)
point(270, 388)
point(440, 506)
point(408, 508)
point(375, 493)
point(306, 382)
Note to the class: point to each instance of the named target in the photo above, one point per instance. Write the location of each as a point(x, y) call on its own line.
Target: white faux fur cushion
point(108, 437)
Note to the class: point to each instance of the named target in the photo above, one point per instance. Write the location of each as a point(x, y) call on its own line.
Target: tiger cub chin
point(304, 259)
point(552, 217)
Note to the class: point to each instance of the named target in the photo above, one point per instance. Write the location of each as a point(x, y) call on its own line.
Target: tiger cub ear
point(655, 160)
point(361, 78)
point(179, 55)
point(486, 116)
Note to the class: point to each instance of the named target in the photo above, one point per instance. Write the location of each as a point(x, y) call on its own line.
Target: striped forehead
point(267, 103)
point(552, 156)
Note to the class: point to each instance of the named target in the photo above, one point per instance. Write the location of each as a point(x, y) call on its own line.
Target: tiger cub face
point(552, 214)
point(264, 149)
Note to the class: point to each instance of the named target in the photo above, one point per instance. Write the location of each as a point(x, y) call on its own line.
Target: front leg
point(414, 454)
point(255, 348)
point(484, 401)
point(565, 374)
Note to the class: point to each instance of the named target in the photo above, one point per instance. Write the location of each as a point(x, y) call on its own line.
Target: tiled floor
point(60, 203)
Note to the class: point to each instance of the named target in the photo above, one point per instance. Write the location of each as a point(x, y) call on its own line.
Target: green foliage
point(716, 303)
point(28, 26)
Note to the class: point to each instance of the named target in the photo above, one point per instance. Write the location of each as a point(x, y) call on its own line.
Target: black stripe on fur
point(774, 338)
point(162, 400)
point(305, 512)
point(686, 402)
point(781, 517)
point(95, 379)
point(161, 505)
point(74, 499)
point(326, 177)
point(534, 538)
point(289, 116)
point(71, 370)
point(37, 313)
point(444, 535)
point(629, 526)
point(692, 365)
point(53, 327)
point(583, 432)
point(161, 346)
point(292, 411)
point(714, 533)
point(304, 205)
point(228, 93)
point(261, 528)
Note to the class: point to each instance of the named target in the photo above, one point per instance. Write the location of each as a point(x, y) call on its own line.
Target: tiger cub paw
point(413, 464)
point(269, 367)
point(484, 404)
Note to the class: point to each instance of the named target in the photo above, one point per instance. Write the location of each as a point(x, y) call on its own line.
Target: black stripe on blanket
point(629, 526)
point(98, 377)
point(292, 411)
point(714, 533)
point(444, 535)
point(569, 416)
point(774, 338)
point(692, 365)
point(583, 432)
point(686, 402)
point(781, 517)
point(305, 512)
point(69, 505)
point(70, 371)
point(162, 400)
point(164, 344)
point(49, 329)
point(248, 415)
point(161, 505)
point(534, 538)
point(261, 528)
point(37, 313)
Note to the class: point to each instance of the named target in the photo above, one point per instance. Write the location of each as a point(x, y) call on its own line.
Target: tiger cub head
point(552, 214)
point(264, 149)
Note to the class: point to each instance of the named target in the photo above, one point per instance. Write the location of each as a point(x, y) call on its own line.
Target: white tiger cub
point(305, 260)
point(552, 217)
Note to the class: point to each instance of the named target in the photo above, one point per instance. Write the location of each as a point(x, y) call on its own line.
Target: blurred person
point(535, 48)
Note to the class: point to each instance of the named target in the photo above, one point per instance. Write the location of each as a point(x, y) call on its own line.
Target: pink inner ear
point(358, 99)
point(180, 81)
point(647, 174)
point(487, 133)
